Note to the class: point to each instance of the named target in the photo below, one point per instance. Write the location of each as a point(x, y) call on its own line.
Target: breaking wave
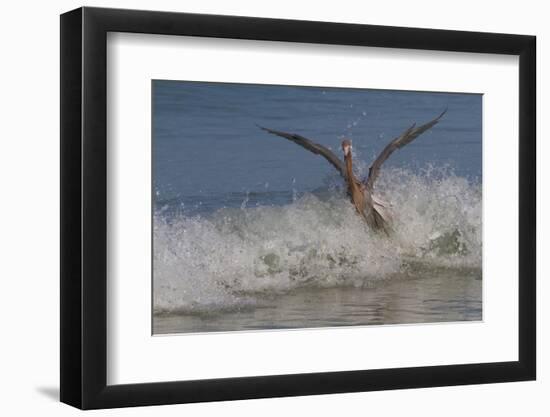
point(226, 259)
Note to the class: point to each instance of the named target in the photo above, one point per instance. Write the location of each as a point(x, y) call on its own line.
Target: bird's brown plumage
point(368, 207)
point(362, 198)
point(355, 187)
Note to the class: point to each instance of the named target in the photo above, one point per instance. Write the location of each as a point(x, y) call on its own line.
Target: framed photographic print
point(257, 207)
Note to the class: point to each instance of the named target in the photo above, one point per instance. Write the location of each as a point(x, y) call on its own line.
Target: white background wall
point(29, 175)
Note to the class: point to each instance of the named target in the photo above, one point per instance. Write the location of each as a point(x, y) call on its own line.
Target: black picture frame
point(84, 207)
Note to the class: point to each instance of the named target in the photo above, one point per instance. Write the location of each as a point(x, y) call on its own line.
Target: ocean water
point(254, 232)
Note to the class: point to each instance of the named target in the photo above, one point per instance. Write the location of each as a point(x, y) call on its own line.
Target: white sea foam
point(223, 260)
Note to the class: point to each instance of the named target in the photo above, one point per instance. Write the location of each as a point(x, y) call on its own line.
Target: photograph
point(285, 206)
point(295, 207)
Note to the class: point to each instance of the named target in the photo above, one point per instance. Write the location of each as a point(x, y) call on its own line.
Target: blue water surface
point(208, 151)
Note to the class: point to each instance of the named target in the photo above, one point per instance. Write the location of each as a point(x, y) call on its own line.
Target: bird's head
point(346, 146)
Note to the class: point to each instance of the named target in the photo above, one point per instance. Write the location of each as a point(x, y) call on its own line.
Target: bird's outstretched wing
point(311, 146)
point(405, 138)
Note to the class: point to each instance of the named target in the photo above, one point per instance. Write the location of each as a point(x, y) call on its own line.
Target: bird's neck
point(349, 170)
point(349, 165)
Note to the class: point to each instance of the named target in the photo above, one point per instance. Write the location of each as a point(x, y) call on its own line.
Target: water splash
point(222, 261)
point(245, 201)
